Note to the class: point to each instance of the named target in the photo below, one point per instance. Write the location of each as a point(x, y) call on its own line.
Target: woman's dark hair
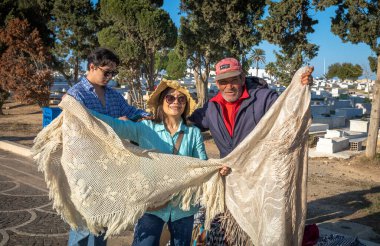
point(159, 116)
point(102, 57)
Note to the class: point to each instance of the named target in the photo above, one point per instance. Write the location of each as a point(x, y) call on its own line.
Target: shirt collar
point(161, 127)
point(87, 84)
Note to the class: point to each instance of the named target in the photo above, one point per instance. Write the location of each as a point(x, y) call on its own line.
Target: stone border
point(15, 148)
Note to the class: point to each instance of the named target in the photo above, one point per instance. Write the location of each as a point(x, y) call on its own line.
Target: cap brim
point(227, 75)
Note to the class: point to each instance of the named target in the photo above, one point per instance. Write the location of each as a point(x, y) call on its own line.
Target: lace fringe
point(47, 147)
point(233, 233)
point(210, 195)
point(47, 152)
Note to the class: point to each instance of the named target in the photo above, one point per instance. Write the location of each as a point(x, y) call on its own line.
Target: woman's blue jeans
point(149, 227)
point(85, 238)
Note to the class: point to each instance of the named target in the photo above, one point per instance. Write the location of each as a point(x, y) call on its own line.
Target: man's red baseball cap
point(227, 68)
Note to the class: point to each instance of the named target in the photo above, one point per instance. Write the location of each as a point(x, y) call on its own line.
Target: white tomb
point(332, 145)
point(354, 135)
point(359, 125)
point(336, 92)
point(333, 134)
point(316, 127)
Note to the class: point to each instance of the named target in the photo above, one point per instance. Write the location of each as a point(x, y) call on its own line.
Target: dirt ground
point(337, 189)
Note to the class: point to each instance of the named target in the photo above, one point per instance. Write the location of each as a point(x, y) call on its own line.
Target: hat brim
point(227, 75)
point(153, 101)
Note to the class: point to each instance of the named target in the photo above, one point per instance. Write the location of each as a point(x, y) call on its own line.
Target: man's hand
point(307, 78)
point(224, 171)
point(123, 118)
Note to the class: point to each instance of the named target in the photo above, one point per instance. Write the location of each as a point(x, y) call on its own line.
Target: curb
point(16, 148)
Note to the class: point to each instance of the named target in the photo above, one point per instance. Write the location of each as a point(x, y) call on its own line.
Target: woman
point(170, 104)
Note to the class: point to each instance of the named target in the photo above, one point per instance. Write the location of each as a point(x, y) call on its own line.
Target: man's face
point(231, 88)
point(101, 75)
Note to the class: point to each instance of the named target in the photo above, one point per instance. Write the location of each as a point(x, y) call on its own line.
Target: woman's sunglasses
point(170, 99)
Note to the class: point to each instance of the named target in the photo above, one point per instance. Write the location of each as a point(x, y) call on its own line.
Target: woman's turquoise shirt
point(150, 135)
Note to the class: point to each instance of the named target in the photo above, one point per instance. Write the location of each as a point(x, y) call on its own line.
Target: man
point(235, 111)
point(92, 91)
point(240, 104)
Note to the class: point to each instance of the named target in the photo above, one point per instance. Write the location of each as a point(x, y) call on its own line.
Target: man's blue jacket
point(252, 109)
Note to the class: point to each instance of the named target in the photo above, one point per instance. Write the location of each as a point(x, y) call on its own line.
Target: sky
point(331, 48)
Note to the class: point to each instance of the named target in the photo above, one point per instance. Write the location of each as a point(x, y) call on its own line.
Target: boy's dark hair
point(102, 57)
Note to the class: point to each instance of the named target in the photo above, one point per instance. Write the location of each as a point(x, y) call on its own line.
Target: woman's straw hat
point(154, 98)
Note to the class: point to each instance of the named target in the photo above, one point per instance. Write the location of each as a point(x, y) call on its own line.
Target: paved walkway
point(26, 214)
point(27, 217)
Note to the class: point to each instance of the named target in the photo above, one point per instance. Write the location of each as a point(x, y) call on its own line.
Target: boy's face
point(101, 75)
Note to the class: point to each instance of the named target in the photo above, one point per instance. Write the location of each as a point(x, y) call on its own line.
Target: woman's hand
point(158, 207)
point(224, 170)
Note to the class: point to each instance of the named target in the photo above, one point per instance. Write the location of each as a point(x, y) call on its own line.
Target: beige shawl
point(98, 180)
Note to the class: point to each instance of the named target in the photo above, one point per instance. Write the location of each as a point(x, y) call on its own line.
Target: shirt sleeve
point(199, 150)
point(123, 128)
point(74, 92)
point(130, 111)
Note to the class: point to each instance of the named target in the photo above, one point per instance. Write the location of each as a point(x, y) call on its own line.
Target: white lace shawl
point(97, 180)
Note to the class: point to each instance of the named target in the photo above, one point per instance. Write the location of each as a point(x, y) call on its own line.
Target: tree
point(24, 63)
point(74, 24)
point(359, 22)
point(333, 70)
point(270, 69)
point(4, 94)
point(37, 13)
point(162, 60)
point(136, 30)
point(344, 71)
point(157, 31)
point(213, 29)
point(176, 67)
point(372, 64)
point(287, 26)
point(194, 46)
point(258, 56)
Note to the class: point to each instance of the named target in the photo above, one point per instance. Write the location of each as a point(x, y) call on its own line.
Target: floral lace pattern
point(97, 180)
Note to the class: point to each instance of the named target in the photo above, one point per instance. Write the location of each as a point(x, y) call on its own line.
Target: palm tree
point(258, 56)
point(270, 69)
